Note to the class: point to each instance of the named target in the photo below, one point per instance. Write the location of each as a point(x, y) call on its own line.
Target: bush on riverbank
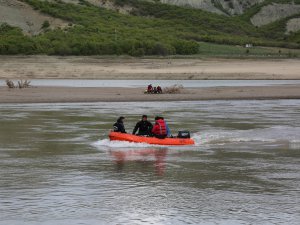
point(21, 84)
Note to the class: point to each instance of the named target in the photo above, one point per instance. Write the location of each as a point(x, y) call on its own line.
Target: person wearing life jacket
point(119, 125)
point(143, 127)
point(159, 130)
point(167, 127)
point(150, 89)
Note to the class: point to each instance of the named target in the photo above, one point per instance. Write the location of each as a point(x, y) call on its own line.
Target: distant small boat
point(117, 136)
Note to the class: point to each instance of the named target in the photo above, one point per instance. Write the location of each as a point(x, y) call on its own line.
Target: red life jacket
point(159, 128)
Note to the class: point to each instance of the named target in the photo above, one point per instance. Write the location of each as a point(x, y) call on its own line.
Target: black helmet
point(120, 119)
point(159, 118)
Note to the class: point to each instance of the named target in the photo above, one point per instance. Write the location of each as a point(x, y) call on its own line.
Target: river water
point(58, 167)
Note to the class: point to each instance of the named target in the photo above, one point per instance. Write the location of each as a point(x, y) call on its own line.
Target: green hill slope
point(149, 29)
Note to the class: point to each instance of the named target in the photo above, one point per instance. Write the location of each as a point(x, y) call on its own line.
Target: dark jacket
point(144, 128)
point(119, 127)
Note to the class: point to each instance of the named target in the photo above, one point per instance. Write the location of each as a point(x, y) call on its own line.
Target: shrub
point(137, 52)
point(45, 24)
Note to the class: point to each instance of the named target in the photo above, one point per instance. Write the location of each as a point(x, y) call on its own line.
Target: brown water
point(58, 167)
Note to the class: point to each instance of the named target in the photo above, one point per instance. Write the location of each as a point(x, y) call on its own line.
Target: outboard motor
point(184, 134)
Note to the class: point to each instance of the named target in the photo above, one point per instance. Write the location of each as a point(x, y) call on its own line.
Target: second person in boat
point(143, 127)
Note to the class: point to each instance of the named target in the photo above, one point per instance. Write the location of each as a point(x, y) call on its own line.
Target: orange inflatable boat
point(116, 136)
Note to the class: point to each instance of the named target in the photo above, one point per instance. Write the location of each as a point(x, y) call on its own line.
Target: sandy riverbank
point(54, 67)
point(71, 94)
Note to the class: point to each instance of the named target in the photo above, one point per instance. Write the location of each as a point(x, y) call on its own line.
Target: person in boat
point(143, 127)
point(159, 129)
point(168, 129)
point(119, 125)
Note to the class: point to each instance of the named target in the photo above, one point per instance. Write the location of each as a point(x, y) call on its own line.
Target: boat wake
point(119, 144)
point(264, 135)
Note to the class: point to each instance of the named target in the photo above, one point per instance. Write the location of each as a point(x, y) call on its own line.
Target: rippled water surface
point(58, 167)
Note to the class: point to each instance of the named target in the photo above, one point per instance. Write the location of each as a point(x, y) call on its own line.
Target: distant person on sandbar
point(159, 90)
point(150, 89)
point(143, 127)
point(119, 125)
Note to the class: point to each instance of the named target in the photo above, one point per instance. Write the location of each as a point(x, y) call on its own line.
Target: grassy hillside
point(151, 29)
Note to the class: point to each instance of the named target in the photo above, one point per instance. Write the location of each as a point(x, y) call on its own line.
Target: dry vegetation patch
point(174, 89)
point(21, 84)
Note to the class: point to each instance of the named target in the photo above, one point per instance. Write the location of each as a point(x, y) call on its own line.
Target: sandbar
point(126, 68)
point(110, 94)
